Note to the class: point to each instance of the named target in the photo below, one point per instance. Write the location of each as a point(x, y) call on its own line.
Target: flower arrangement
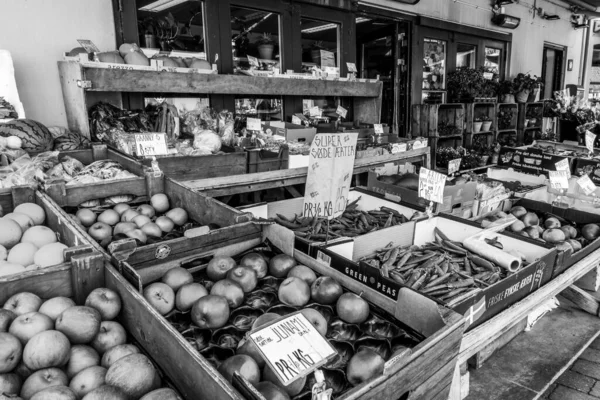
point(465, 84)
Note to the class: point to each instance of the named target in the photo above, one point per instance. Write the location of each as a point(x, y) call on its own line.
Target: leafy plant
point(465, 83)
point(506, 87)
point(526, 82)
point(445, 128)
point(505, 117)
point(444, 155)
point(265, 40)
point(534, 112)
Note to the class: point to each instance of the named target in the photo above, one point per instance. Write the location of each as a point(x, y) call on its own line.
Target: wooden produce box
point(262, 160)
point(345, 257)
point(367, 201)
point(425, 374)
point(428, 118)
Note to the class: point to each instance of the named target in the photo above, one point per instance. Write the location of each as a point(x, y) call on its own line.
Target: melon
point(71, 141)
point(167, 61)
point(200, 64)
point(35, 136)
point(110, 57)
point(136, 58)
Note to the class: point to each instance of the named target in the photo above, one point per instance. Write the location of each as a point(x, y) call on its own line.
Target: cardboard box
point(292, 132)
point(458, 199)
point(368, 201)
point(516, 181)
point(344, 257)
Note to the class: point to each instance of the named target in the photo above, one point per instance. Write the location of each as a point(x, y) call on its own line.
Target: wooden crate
point(527, 130)
point(261, 160)
point(427, 117)
point(507, 107)
point(426, 374)
point(480, 110)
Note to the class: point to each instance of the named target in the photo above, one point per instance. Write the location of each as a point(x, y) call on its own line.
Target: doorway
point(553, 68)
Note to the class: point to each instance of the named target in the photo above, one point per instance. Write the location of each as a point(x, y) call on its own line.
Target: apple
point(6, 318)
point(292, 389)
point(81, 357)
point(11, 350)
point(294, 292)
point(160, 202)
point(188, 294)
point(120, 208)
point(141, 220)
point(230, 290)
point(249, 348)
point(22, 303)
point(124, 227)
point(22, 370)
point(137, 234)
point(55, 393)
point(162, 394)
point(23, 220)
point(304, 273)
point(134, 374)
point(530, 219)
point(152, 229)
point(518, 211)
point(570, 232)
point(165, 224)
point(243, 365)
point(43, 379)
point(552, 223)
point(210, 312)
point(86, 217)
point(106, 301)
point(7, 269)
point(88, 380)
point(160, 296)
point(219, 266)
point(55, 306)
point(243, 276)
point(109, 217)
point(352, 308)
point(365, 364)
point(3, 253)
point(147, 210)
point(265, 319)
point(80, 324)
point(280, 265)
point(116, 353)
point(177, 277)
point(271, 391)
point(47, 349)
point(256, 262)
point(129, 215)
point(111, 334)
point(178, 215)
point(106, 392)
point(316, 319)
point(326, 290)
point(26, 326)
point(100, 231)
point(10, 383)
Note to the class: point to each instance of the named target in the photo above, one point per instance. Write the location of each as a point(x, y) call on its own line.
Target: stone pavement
point(582, 380)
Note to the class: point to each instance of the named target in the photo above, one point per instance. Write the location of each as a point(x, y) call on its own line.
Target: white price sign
point(292, 347)
point(586, 184)
point(315, 111)
point(88, 45)
point(563, 165)
point(351, 67)
point(296, 120)
point(431, 185)
point(378, 128)
point(341, 111)
point(253, 124)
point(330, 167)
point(151, 144)
point(454, 166)
point(419, 144)
point(590, 138)
point(559, 180)
point(398, 148)
point(253, 61)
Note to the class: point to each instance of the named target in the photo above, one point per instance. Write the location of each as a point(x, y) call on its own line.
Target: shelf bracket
point(84, 84)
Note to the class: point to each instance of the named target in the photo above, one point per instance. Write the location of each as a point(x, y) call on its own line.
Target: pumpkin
point(34, 135)
point(71, 141)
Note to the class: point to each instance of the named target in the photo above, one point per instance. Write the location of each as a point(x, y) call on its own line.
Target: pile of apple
point(548, 229)
point(225, 288)
point(56, 350)
point(25, 243)
point(148, 221)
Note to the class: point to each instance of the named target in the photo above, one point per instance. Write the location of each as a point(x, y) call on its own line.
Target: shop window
point(320, 44)
point(466, 55)
point(493, 60)
point(172, 25)
point(434, 70)
point(264, 108)
point(323, 110)
point(256, 39)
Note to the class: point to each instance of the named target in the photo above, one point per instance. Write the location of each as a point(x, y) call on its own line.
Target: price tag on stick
point(559, 180)
point(378, 128)
point(341, 111)
point(253, 61)
point(590, 139)
point(88, 45)
point(563, 165)
point(454, 166)
point(296, 120)
point(351, 67)
point(330, 167)
point(292, 347)
point(315, 112)
point(151, 144)
point(586, 184)
point(253, 124)
point(431, 185)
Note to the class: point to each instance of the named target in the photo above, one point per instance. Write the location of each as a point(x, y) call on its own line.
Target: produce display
point(7, 110)
point(215, 309)
point(146, 223)
point(25, 243)
point(351, 223)
point(55, 349)
point(548, 228)
point(444, 269)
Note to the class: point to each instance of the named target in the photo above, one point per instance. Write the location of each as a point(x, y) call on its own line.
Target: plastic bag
point(207, 139)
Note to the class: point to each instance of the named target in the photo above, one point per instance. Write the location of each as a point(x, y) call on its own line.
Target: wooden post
point(71, 74)
point(87, 274)
point(581, 299)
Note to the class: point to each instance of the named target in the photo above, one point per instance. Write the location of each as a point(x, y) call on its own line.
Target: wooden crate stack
point(530, 121)
point(507, 131)
point(476, 129)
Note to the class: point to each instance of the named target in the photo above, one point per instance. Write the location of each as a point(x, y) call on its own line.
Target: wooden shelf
point(483, 133)
point(532, 127)
point(507, 130)
point(458, 135)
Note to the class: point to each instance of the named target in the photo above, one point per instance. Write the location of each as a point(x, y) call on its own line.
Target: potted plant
point(477, 124)
point(527, 89)
point(265, 45)
point(315, 51)
point(486, 123)
point(505, 118)
point(148, 27)
point(506, 91)
point(465, 84)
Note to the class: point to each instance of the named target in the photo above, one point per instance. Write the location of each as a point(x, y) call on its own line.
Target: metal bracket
point(84, 84)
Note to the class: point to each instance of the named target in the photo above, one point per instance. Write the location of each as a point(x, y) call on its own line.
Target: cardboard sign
point(253, 61)
point(431, 185)
point(253, 124)
point(454, 166)
point(399, 148)
point(327, 59)
point(419, 144)
point(292, 347)
point(586, 184)
point(296, 120)
point(351, 67)
point(559, 180)
point(151, 144)
point(315, 111)
point(563, 165)
point(378, 128)
point(330, 167)
point(528, 160)
point(341, 111)
point(590, 138)
point(88, 45)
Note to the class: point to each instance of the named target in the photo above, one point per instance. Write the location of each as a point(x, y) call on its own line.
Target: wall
point(528, 38)
point(37, 33)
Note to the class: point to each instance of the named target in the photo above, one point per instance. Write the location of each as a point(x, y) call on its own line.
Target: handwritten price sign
point(431, 185)
point(586, 184)
point(559, 180)
point(330, 166)
point(590, 138)
point(454, 166)
point(341, 111)
point(563, 165)
point(151, 144)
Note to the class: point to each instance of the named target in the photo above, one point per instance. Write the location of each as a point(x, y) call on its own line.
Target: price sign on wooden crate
point(253, 124)
point(341, 111)
point(292, 347)
point(88, 45)
point(590, 138)
point(351, 67)
point(330, 166)
point(431, 185)
point(563, 165)
point(253, 61)
point(454, 166)
point(315, 111)
point(296, 120)
point(151, 144)
point(586, 184)
point(378, 128)
point(559, 180)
